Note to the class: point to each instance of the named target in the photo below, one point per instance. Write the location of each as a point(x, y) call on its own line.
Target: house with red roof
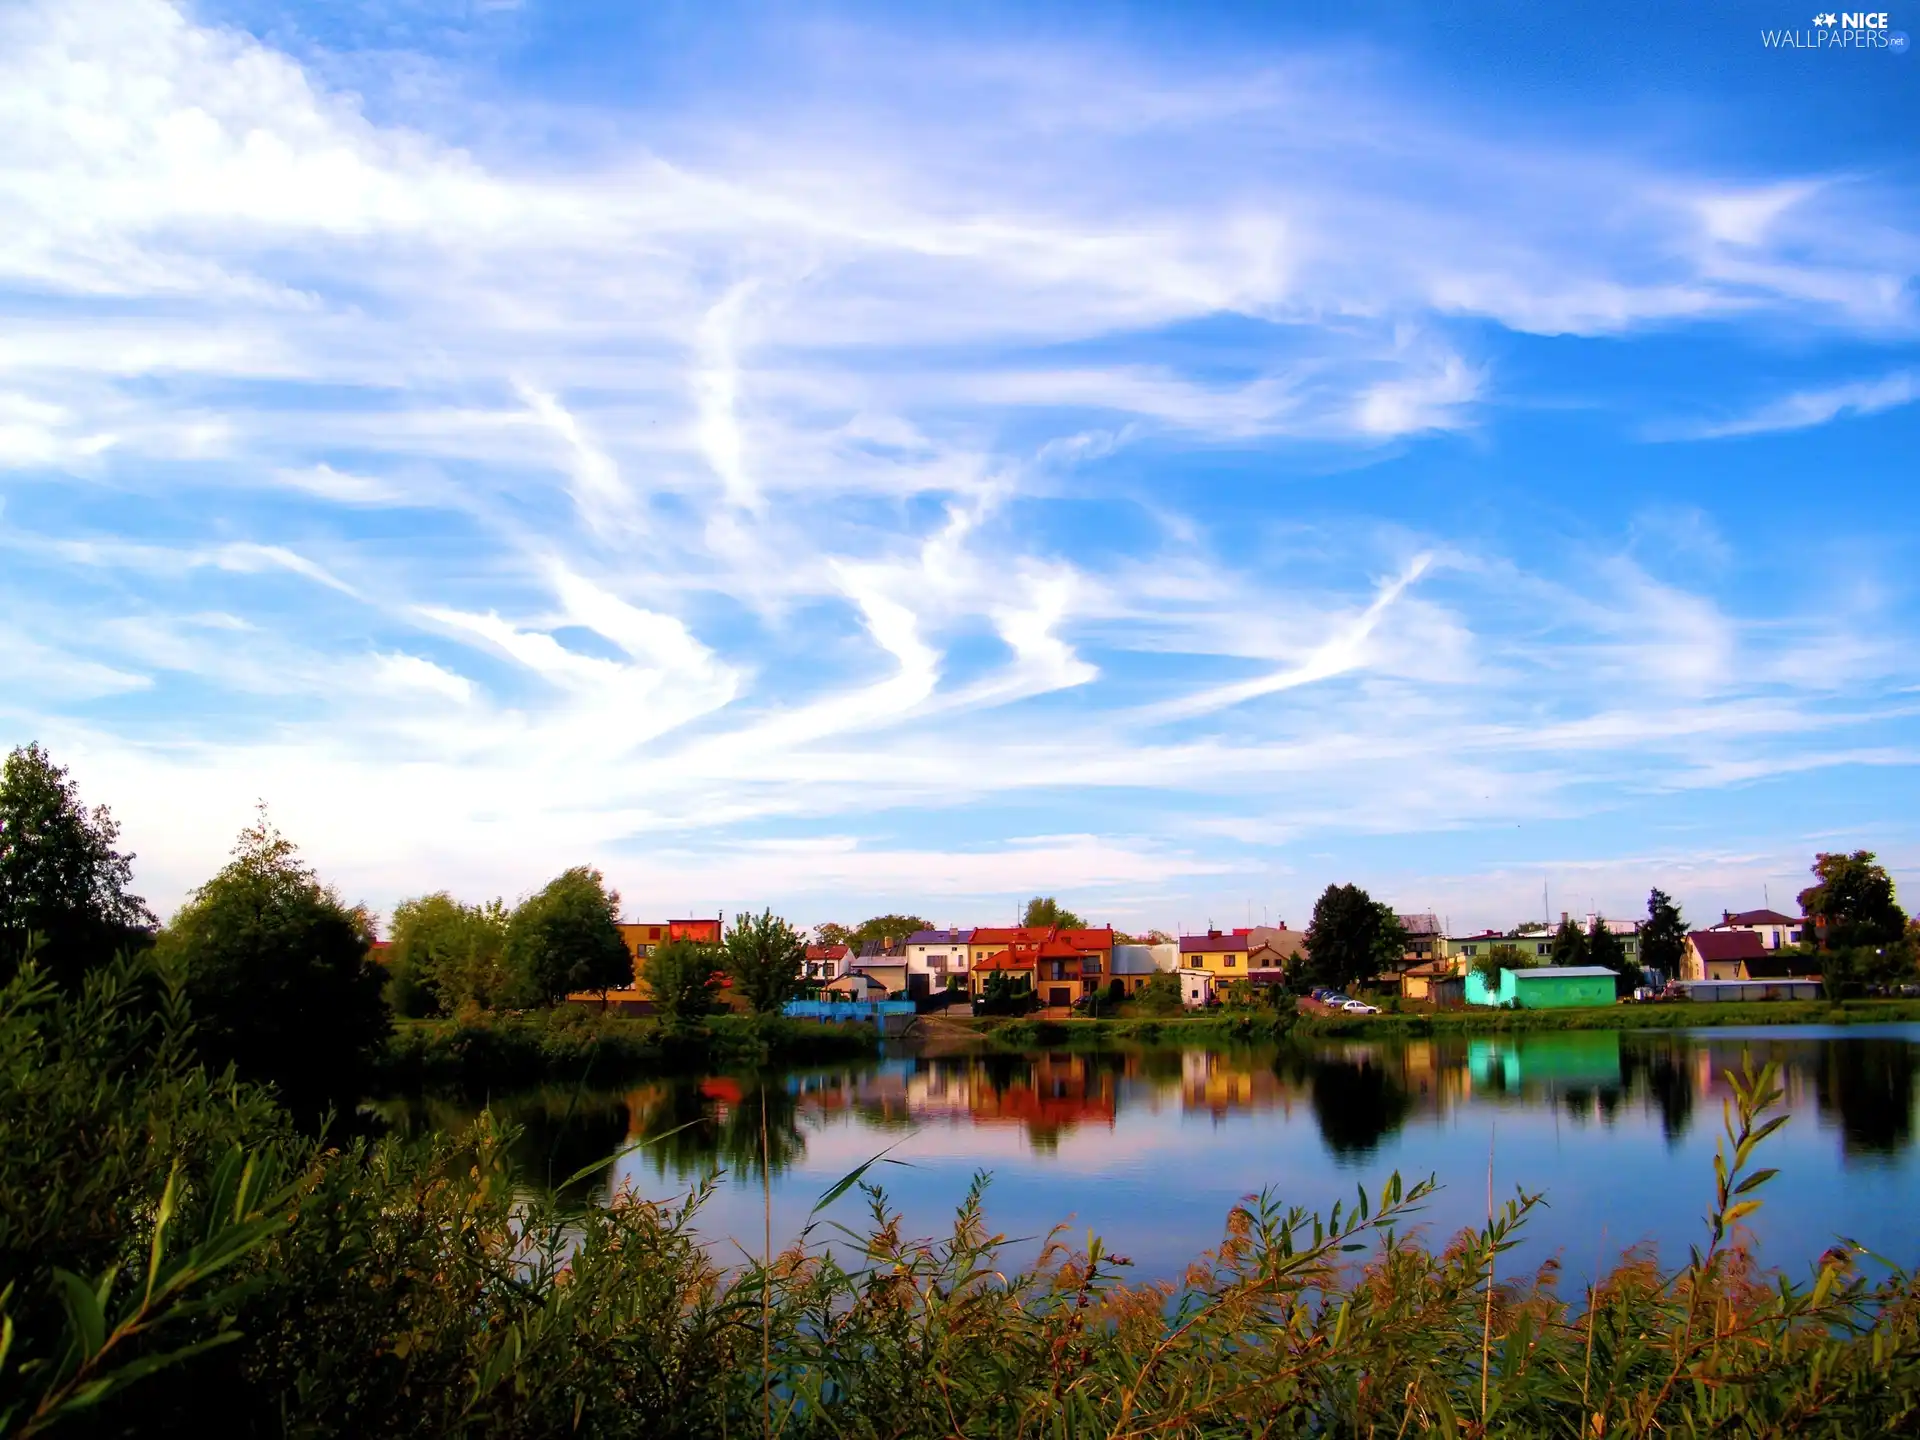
point(1776, 931)
point(1740, 954)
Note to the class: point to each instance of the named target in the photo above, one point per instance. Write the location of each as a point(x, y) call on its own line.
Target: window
point(1466, 949)
point(1228, 962)
point(1543, 949)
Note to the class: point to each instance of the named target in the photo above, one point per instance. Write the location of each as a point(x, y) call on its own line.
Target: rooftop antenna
point(1546, 908)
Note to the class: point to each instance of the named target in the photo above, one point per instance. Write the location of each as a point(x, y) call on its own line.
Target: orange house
point(642, 938)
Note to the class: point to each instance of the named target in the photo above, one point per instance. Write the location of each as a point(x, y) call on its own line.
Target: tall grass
point(398, 1288)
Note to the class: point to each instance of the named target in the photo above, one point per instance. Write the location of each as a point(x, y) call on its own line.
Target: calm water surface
point(1151, 1148)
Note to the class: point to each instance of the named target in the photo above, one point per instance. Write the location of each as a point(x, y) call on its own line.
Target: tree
point(1852, 904)
point(1569, 944)
point(1353, 937)
point(1501, 957)
point(566, 938)
point(1605, 948)
point(765, 957)
point(1663, 939)
point(63, 882)
point(832, 933)
point(680, 977)
point(276, 970)
point(448, 956)
point(1044, 910)
point(889, 930)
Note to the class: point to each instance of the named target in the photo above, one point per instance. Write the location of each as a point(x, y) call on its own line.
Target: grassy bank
point(581, 1047)
point(1242, 1027)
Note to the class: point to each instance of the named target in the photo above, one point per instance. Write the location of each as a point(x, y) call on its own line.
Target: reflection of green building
point(1580, 1057)
point(1549, 987)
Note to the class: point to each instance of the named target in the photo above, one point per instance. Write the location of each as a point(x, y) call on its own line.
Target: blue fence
point(873, 1011)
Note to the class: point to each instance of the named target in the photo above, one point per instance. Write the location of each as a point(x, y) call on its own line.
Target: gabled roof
point(1090, 939)
point(1727, 944)
point(1023, 959)
point(828, 952)
point(1213, 940)
point(879, 950)
point(1419, 924)
point(939, 937)
point(1758, 917)
point(1011, 934)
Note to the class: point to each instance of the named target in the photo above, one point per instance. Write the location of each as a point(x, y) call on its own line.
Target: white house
point(933, 955)
point(1776, 931)
point(1196, 986)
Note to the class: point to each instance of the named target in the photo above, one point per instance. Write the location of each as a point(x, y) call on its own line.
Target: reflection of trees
point(557, 1132)
point(685, 1126)
point(1869, 1085)
point(1356, 1103)
point(1661, 1067)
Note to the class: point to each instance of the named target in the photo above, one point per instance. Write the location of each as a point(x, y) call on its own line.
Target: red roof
point(1101, 939)
point(827, 952)
point(1024, 959)
point(1727, 944)
point(1012, 935)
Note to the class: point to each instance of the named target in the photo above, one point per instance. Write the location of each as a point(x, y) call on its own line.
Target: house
point(1776, 931)
point(1546, 987)
point(933, 957)
point(1077, 959)
point(1017, 963)
point(1741, 954)
point(642, 938)
point(1423, 937)
point(1463, 950)
point(1134, 965)
point(1196, 986)
point(826, 962)
point(1219, 952)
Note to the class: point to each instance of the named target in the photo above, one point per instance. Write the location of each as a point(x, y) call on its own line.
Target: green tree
point(276, 970)
point(566, 938)
point(833, 933)
point(1569, 944)
point(63, 882)
point(889, 930)
point(765, 957)
point(1161, 994)
point(1852, 902)
point(681, 978)
point(447, 957)
point(1045, 910)
point(1501, 957)
point(1663, 938)
point(1353, 937)
point(1605, 948)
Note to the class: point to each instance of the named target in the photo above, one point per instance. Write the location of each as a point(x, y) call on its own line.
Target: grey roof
point(1544, 972)
point(939, 937)
point(1419, 924)
point(1133, 960)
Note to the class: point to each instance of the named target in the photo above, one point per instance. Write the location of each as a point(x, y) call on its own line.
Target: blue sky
point(850, 459)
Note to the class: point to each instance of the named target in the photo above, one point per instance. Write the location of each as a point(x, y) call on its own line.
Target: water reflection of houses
point(1221, 1083)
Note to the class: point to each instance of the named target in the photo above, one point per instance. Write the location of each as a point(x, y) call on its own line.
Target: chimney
point(1726, 917)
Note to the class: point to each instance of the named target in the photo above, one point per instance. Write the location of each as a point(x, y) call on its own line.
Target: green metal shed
point(1549, 987)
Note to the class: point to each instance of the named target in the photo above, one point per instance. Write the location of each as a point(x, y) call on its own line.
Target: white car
point(1360, 1007)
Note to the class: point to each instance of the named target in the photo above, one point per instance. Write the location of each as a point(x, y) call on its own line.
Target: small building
point(1806, 987)
point(1545, 987)
point(1741, 954)
point(1776, 931)
point(1196, 986)
point(1016, 963)
point(1417, 981)
point(856, 987)
point(890, 971)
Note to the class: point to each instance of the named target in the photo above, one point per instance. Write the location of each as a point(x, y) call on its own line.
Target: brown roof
point(1759, 917)
point(1727, 944)
point(1776, 966)
point(1213, 940)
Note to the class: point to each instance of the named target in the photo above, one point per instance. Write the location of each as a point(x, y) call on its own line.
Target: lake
point(1150, 1148)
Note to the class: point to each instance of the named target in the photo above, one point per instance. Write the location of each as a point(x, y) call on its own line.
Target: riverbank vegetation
point(177, 1256)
